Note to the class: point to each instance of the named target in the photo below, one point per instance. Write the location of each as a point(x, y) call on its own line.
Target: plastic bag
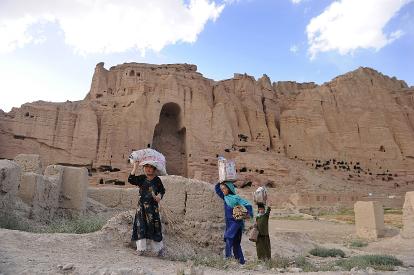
point(253, 233)
point(260, 195)
point(151, 157)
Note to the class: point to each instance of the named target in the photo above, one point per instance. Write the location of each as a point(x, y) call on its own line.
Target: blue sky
point(48, 51)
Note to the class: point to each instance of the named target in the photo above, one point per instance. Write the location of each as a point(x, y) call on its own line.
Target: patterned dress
point(147, 223)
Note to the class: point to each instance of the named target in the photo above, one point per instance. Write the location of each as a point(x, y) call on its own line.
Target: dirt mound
point(118, 231)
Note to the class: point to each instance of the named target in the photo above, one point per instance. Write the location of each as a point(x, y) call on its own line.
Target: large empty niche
point(169, 139)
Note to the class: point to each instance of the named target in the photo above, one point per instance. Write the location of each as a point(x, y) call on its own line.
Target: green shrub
point(79, 225)
point(210, 261)
point(378, 262)
point(306, 266)
point(325, 252)
point(14, 223)
point(214, 261)
point(389, 210)
point(358, 243)
point(275, 262)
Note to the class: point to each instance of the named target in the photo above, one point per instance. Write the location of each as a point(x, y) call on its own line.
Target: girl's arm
point(133, 178)
point(136, 180)
point(249, 210)
point(160, 190)
point(218, 191)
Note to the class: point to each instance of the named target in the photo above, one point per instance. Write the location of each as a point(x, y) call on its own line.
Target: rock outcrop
point(361, 122)
point(408, 216)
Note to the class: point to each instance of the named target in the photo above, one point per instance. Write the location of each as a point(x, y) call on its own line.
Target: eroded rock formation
point(361, 117)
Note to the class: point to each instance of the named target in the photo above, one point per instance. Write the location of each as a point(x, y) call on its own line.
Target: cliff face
point(362, 116)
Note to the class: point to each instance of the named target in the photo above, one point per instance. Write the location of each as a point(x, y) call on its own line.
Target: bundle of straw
point(169, 218)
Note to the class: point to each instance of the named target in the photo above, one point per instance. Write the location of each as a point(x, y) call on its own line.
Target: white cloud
point(347, 25)
point(296, 1)
point(294, 49)
point(107, 26)
point(25, 82)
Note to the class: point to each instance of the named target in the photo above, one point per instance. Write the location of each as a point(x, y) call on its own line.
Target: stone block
point(369, 219)
point(28, 186)
point(54, 173)
point(408, 216)
point(10, 174)
point(73, 192)
point(45, 199)
point(41, 193)
point(29, 163)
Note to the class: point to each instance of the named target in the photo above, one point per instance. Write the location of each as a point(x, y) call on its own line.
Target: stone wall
point(61, 190)
point(190, 209)
point(115, 197)
point(29, 163)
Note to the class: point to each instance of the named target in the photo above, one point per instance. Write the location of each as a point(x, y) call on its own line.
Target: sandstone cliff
point(361, 117)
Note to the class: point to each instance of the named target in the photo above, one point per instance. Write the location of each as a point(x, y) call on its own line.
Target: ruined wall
point(190, 210)
point(362, 116)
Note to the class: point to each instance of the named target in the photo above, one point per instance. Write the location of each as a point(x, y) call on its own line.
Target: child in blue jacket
point(234, 228)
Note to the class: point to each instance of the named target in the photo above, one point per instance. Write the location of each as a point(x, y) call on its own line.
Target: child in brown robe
point(263, 241)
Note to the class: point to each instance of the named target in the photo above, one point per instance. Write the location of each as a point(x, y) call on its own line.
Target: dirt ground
point(29, 253)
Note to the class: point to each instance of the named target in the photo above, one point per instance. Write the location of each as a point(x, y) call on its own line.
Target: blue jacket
point(232, 225)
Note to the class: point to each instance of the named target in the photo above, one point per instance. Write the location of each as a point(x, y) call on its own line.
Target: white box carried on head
point(227, 169)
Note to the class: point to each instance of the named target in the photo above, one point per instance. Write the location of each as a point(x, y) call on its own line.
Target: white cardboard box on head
point(227, 170)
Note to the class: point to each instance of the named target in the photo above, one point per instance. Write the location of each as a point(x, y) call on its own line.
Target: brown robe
point(263, 241)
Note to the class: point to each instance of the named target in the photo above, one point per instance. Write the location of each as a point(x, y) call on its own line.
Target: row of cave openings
point(131, 73)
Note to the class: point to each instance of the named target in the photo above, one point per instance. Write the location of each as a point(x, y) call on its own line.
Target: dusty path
point(29, 253)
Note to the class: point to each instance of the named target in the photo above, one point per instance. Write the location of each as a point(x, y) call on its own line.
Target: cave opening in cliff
point(170, 139)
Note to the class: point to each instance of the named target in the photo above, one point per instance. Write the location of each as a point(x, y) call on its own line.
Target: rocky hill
point(359, 124)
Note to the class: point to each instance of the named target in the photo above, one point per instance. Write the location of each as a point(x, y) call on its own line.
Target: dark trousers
point(234, 243)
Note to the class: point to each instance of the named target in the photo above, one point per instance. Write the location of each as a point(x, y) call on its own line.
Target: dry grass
point(78, 225)
point(392, 216)
point(357, 243)
point(378, 262)
point(14, 223)
point(288, 218)
point(325, 252)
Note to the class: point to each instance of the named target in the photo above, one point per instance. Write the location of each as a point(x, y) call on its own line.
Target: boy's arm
point(268, 211)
